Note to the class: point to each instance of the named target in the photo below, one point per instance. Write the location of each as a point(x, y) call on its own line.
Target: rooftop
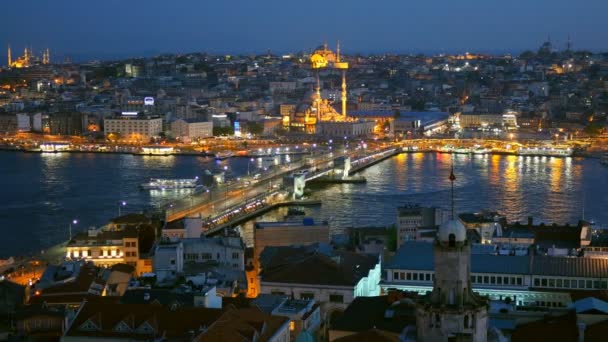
point(381, 312)
point(415, 255)
point(341, 269)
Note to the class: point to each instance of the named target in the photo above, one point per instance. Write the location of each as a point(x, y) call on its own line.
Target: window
point(473, 279)
point(336, 298)
point(492, 280)
point(512, 280)
point(415, 276)
point(596, 284)
point(486, 279)
point(589, 284)
point(551, 282)
point(395, 275)
point(292, 325)
point(519, 281)
point(402, 275)
point(558, 283)
point(235, 255)
point(536, 282)
point(409, 276)
point(499, 280)
point(581, 284)
point(543, 282)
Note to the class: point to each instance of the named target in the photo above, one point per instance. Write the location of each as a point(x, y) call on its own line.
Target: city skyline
point(105, 31)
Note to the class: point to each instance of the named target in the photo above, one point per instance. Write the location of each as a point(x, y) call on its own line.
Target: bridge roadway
point(225, 202)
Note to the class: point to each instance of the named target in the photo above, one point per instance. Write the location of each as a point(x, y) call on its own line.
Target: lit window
point(292, 325)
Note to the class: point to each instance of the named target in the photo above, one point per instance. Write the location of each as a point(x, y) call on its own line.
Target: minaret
point(452, 309)
point(10, 57)
point(318, 96)
point(46, 56)
point(342, 66)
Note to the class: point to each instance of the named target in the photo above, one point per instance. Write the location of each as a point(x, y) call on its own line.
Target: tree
point(593, 129)
point(255, 128)
point(217, 131)
point(526, 54)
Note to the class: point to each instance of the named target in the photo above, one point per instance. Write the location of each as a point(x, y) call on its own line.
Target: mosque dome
point(450, 227)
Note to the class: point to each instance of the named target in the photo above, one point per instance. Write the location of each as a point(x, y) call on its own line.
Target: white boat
point(224, 155)
point(545, 151)
point(171, 184)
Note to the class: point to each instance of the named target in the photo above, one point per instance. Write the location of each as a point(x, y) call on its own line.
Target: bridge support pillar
point(347, 168)
point(299, 182)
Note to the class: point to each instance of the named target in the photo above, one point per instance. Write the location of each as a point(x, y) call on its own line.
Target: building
point(133, 126)
point(8, 123)
point(304, 314)
point(186, 228)
point(391, 313)
point(332, 278)
point(475, 120)
point(72, 281)
point(39, 321)
point(528, 280)
point(452, 310)
point(225, 251)
point(168, 261)
point(105, 247)
point(351, 128)
point(484, 223)
point(63, 123)
point(249, 324)
point(283, 234)
point(191, 129)
point(411, 218)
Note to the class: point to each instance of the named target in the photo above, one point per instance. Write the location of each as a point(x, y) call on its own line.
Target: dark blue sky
point(117, 28)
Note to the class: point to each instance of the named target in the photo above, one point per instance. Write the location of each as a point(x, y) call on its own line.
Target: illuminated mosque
point(317, 115)
point(28, 59)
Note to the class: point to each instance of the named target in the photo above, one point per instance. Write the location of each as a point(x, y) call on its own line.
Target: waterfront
point(42, 193)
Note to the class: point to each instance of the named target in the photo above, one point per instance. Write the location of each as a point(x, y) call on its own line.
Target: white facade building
point(226, 251)
point(168, 261)
point(139, 127)
point(189, 129)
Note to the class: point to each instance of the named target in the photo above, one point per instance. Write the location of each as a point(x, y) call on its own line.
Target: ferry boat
point(171, 184)
point(54, 147)
point(155, 150)
point(545, 151)
point(224, 155)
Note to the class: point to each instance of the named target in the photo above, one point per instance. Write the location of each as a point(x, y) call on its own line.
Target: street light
point(70, 228)
point(120, 205)
point(250, 161)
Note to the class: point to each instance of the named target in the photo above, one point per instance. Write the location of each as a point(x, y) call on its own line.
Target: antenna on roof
point(452, 179)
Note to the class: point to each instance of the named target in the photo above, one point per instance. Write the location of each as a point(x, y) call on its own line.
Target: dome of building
point(452, 227)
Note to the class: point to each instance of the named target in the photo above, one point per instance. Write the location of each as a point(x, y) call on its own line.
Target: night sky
point(121, 28)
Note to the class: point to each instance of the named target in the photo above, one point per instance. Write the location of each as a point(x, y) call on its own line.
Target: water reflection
point(43, 192)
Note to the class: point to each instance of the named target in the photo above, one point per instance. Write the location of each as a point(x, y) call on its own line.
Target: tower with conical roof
point(452, 311)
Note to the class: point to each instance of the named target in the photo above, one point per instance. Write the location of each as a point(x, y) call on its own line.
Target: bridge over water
point(226, 203)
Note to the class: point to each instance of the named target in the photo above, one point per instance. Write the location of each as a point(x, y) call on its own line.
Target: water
point(40, 194)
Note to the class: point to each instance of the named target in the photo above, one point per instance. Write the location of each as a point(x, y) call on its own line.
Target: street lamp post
point(70, 228)
point(250, 161)
point(120, 205)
